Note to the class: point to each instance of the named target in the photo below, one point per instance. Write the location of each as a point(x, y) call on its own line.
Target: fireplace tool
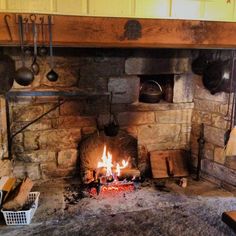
point(51, 75)
point(230, 135)
point(201, 142)
point(24, 75)
point(112, 128)
point(227, 133)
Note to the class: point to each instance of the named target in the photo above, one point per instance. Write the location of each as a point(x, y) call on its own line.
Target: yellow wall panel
point(152, 8)
point(30, 5)
point(219, 10)
point(71, 7)
point(188, 9)
point(2, 4)
point(13, 5)
point(110, 7)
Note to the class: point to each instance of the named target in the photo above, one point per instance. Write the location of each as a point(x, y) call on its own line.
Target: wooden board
point(176, 158)
point(80, 31)
point(229, 218)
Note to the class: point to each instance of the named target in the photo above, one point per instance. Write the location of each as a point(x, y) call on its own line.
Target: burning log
point(125, 173)
point(129, 173)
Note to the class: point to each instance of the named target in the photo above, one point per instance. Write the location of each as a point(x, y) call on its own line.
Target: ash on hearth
point(73, 194)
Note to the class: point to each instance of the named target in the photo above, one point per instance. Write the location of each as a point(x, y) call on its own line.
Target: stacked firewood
point(17, 195)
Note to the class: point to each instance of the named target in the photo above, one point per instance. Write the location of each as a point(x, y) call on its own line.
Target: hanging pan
point(7, 72)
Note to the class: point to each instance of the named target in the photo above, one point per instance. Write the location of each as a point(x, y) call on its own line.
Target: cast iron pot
point(150, 92)
point(112, 128)
point(216, 77)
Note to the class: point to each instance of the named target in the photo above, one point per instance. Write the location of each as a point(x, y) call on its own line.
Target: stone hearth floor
point(154, 209)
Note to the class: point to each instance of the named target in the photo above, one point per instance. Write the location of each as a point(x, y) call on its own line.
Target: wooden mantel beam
point(77, 31)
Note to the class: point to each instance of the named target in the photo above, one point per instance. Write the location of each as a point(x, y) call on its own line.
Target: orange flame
point(106, 162)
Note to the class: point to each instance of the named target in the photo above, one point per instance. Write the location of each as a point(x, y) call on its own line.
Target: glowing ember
point(106, 162)
point(113, 188)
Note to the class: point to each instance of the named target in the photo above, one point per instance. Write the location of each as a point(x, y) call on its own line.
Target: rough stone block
point(5, 168)
point(42, 124)
point(220, 121)
point(72, 108)
point(214, 135)
point(53, 140)
point(219, 155)
point(103, 67)
point(201, 117)
point(209, 151)
point(27, 113)
point(31, 140)
point(124, 89)
point(17, 144)
point(204, 94)
point(52, 114)
point(67, 158)
point(161, 106)
point(88, 130)
point(196, 128)
point(21, 170)
point(132, 130)
point(174, 116)
point(161, 133)
point(153, 66)
point(135, 118)
point(219, 171)
point(96, 105)
point(186, 128)
point(207, 105)
point(184, 138)
point(225, 110)
point(166, 146)
point(37, 156)
point(230, 162)
point(183, 88)
point(50, 170)
point(76, 121)
point(59, 139)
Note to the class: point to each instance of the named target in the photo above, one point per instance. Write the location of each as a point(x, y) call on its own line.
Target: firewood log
point(129, 173)
point(17, 198)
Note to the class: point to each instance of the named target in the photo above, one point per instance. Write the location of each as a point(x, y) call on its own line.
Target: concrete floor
point(156, 208)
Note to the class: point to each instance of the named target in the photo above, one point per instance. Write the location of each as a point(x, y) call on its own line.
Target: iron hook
point(8, 27)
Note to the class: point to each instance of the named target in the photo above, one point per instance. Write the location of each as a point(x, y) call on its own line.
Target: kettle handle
point(153, 81)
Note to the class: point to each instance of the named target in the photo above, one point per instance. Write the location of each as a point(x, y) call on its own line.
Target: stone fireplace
point(49, 147)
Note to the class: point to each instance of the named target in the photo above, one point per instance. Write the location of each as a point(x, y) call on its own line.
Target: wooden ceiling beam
point(78, 31)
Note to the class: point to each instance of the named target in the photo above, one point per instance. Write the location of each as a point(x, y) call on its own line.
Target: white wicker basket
point(22, 217)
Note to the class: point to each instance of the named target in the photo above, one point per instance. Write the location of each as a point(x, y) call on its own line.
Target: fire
point(106, 162)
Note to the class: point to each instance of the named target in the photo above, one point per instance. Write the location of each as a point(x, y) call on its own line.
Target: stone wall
point(212, 111)
point(5, 164)
point(48, 148)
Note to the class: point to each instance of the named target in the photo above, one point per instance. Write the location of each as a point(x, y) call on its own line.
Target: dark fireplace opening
point(108, 162)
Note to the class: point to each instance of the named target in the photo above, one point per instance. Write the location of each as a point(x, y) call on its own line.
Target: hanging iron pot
point(216, 76)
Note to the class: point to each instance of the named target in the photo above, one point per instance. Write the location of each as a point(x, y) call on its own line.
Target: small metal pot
point(150, 92)
point(111, 129)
